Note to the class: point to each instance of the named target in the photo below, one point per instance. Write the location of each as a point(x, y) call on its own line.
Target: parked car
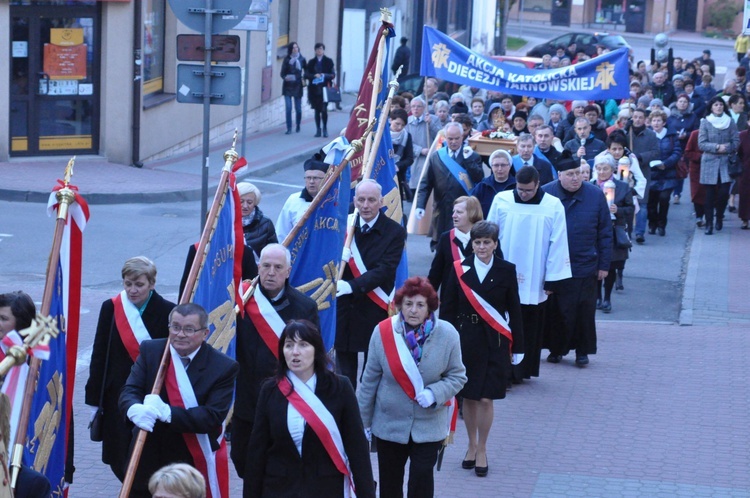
point(584, 41)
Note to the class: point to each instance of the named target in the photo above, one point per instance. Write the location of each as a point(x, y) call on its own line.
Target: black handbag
point(96, 426)
point(734, 166)
point(622, 239)
point(331, 94)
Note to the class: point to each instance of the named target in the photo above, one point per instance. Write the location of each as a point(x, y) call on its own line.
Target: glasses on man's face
point(176, 329)
point(526, 190)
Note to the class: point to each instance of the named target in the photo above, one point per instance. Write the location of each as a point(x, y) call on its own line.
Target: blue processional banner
point(604, 77)
point(316, 253)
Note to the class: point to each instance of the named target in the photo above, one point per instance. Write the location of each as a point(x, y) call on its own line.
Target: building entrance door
point(54, 91)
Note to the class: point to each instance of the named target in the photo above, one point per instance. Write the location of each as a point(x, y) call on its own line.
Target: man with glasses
point(452, 171)
point(185, 419)
point(296, 205)
point(534, 237)
point(526, 157)
point(590, 247)
point(271, 306)
point(498, 181)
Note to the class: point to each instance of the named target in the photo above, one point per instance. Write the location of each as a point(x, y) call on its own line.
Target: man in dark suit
point(257, 361)
point(544, 138)
point(401, 59)
point(363, 300)
point(526, 157)
point(451, 172)
point(211, 375)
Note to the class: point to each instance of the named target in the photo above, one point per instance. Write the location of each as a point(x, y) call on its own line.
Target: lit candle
point(624, 166)
point(609, 193)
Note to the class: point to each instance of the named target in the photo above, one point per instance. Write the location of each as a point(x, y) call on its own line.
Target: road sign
point(227, 13)
point(226, 48)
point(253, 22)
point(225, 84)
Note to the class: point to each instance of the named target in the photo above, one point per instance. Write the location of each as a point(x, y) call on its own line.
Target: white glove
point(143, 416)
point(419, 213)
point(368, 434)
point(164, 410)
point(516, 358)
point(343, 288)
point(426, 399)
point(346, 254)
point(93, 409)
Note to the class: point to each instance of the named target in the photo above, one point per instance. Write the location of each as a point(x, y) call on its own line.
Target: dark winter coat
point(292, 88)
point(259, 232)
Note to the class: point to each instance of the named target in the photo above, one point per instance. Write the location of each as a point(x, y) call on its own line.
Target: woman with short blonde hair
point(177, 480)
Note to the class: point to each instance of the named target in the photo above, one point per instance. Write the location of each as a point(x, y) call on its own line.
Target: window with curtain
point(283, 39)
point(152, 59)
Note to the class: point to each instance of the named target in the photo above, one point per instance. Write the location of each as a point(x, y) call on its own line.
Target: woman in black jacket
point(286, 456)
point(292, 72)
point(319, 73)
point(257, 227)
point(403, 150)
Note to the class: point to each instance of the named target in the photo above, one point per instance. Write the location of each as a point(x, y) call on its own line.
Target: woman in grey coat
point(718, 139)
point(425, 354)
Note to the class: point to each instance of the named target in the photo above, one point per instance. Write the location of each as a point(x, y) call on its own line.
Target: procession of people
point(527, 249)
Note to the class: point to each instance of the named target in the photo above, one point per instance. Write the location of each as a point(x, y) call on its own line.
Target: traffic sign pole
point(206, 108)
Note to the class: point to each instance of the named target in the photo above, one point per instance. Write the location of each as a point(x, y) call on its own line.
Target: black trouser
point(577, 304)
point(347, 364)
point(241, 430)
point(392, 461)
point(716, 201)
point(321, 115)
point(609, 281)
point(658, 207)
point(533, 331)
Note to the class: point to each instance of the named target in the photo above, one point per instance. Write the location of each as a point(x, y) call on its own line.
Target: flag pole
point(65, 198)
point(385, 17)
point(413, 225)
point(230, 157)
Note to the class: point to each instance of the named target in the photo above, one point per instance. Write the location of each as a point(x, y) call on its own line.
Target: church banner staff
point(604, 77)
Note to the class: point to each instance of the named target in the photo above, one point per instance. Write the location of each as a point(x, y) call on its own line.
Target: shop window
point(283, 39)
point(152, 61)
point(610, 11)
point(537, 5)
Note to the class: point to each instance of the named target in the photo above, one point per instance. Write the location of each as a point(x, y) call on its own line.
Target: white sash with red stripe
point(484, 309)
point(15, 381)
point(214, 466)
point(403, 367)
point(267, 321)
point(320, 420)
point(454, 247)
point(378, 295)
point(130, 325)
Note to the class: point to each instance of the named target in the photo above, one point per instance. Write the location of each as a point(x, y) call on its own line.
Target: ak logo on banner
point(604, 77)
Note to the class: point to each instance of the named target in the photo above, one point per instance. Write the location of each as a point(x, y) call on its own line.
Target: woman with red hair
point(413, 368)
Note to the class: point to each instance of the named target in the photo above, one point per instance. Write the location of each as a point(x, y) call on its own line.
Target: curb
point(691, 276)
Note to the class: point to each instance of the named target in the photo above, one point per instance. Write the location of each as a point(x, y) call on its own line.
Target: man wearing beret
point(297, 203)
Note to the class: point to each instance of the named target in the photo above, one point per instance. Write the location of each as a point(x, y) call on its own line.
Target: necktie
point(185, 361)
point(365, 228)
point(455, 155)
point(526, 163)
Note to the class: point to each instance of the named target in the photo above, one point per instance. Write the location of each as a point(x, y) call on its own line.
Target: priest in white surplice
point(533, 236)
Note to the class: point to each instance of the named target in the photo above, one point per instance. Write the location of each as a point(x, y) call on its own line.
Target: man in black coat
point(585, 145)
point(211, 375)
point(257, 361)
point(448, 184)
point(401, 59)
point(544, 137)
point(590, 246)
point(363, 300)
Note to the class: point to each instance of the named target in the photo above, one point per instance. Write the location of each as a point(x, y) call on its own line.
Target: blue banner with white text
point(604, 77)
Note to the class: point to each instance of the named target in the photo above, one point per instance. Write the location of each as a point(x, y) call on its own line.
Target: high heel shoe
point(482, 471)
point(469, 464)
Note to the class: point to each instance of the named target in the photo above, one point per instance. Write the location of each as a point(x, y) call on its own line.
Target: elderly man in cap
point(297, 203)
point(590, 246)
point(662, 88)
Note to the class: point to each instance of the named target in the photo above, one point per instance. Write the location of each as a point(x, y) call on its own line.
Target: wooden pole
point(230, 157)
point(421, 227)
point(65, 198)
point(385, 17)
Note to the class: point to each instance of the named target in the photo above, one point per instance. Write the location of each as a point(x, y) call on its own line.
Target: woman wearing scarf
point(308, 438)
point(292, 73)
point(718, 140)
point(257, 227)
point(413, 368)
point(483, 302)
point(403, 150)
point(622, 210)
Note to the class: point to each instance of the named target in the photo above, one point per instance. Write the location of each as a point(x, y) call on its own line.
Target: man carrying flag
point(271, 306)
point(365, 291)
point(186, 418)
point(451, 172)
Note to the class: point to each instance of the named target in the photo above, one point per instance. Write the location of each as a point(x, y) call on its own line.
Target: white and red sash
point(403, 367)
point(378, 295)
point(130, 325)
point(454, 247)
point(484, 309)
point(320, 420)
point(267, 321)
point(213, 465)
point(15, 381)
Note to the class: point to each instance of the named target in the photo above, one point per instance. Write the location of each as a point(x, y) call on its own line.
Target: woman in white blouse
point(302, 404)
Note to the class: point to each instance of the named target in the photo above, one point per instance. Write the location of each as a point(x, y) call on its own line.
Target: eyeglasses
point(176, 329)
